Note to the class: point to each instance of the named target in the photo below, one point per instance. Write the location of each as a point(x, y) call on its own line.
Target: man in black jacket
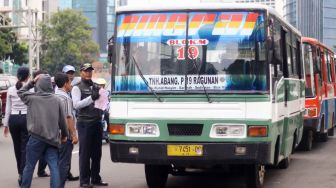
point(89, 128)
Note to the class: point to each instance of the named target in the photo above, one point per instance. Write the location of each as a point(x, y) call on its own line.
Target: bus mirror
point(110, 49)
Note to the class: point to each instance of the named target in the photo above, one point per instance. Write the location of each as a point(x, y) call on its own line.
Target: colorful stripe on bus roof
point(234, 24)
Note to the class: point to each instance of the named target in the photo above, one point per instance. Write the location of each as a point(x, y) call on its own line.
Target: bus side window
point(289, 55)
point(277, 46)
point(332, 62)
point(299, 58)
point(329, 69)
point(284, 52)
point(317, 63)
point(295, 64)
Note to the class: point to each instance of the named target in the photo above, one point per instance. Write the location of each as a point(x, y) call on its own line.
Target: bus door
point(287, 66)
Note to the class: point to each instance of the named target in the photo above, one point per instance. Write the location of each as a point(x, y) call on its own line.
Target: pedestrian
point(42, 164)
point(89, 128)
point(63, 84)
point(47, 127)
point(69, 70)
point(15, 120)
point(101, 82)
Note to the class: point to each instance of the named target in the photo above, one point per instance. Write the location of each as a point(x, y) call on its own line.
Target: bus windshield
point(190, 51)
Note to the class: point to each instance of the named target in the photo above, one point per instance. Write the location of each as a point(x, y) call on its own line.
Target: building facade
point(101, 15)
point(314, 18)
point(16, 10)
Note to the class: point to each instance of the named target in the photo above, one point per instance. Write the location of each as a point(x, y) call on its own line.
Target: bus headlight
point(228, 131)
point(142, 130)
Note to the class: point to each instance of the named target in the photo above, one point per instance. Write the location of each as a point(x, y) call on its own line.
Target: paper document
point(102, 102)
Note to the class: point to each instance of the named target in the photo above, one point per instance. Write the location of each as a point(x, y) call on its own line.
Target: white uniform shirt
point(14, 105)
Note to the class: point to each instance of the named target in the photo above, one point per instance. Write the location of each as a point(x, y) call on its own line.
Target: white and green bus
point(204, 85)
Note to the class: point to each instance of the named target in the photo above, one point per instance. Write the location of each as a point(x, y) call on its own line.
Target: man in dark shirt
point(89, 128)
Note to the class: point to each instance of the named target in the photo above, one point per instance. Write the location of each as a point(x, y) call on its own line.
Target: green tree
point(66, 39)
point(11, 48)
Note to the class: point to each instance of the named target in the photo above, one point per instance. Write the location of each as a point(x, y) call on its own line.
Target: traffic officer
point(89, 128)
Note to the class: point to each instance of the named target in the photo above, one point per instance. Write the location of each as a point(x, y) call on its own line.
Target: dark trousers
point(65, 161)
point(90, 151)
point(18, 130)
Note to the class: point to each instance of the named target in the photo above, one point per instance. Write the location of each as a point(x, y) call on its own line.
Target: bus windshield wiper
point(144, 79)
point(199, 76)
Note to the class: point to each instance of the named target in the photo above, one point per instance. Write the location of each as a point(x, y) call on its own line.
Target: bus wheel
point(331, 130)
point(255, 175)
point(284, 164)
point(306, 143)
point(156, 175)
point(323, 137)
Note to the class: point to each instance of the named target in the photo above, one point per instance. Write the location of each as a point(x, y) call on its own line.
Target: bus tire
point(331, 130)
point(255, 175)
point(306, 143)
point(156, 175)
point(294, 143)
point(323, 137)
point(284, 164)
point(277, 152)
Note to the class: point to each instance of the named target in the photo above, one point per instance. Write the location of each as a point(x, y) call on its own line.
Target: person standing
point(47, 128)
point(70, 70)
point(63, 88)
point(15, 120)
point(42, 164)
point(89, 128)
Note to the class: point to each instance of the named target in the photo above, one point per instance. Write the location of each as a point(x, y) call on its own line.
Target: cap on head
point(86, 66)
point(68, 68)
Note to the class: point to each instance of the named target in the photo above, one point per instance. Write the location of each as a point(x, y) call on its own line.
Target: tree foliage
point(11, 48)
point(66, 40)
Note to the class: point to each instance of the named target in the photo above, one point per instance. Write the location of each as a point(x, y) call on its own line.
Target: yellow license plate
point(184, 150)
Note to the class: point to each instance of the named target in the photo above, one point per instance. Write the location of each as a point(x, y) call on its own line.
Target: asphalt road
point(314, 169)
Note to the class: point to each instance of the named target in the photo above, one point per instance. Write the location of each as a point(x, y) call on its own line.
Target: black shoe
point(20, 180)
point(86, 185)
point(72, 178)
point(100, 183)
point(43, 175)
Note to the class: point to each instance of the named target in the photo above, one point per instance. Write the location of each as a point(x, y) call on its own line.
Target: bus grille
point(185, 129)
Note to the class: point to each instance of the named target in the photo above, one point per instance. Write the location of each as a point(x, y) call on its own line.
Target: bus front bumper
point(213, 153)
